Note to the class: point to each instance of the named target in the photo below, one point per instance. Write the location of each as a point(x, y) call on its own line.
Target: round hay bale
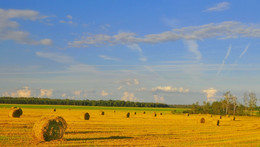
point(144, 112)
point(160, 113)
point(54, 110)
point(187, 114)
point(114, 111)
point(220, 117)
point(210, 115)
point(102, 113)
point(86, 116)
point(49, 128)
point(15, 112)
point(234, 118)
point(155, 114)
point(216, 122)
point(135, 113)
point(202, 120)
point(127, 115)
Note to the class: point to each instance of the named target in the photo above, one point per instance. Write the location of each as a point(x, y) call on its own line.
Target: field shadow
point(85, 132)
point(100, 138)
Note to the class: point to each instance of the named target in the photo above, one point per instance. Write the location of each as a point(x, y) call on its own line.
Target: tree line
point(47, 101)
point(228, 105)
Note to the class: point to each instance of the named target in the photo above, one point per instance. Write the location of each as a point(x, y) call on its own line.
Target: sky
point(171, 51)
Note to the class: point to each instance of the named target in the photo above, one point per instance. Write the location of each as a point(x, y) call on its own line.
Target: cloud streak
point(193, 47)
point(224, 60)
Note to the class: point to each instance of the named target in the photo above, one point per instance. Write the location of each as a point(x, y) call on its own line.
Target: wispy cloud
point(244, 51)
point(219, 7)
point(57, 57)
point(193, 47)
point(105, 57)
point(9, 27)
point(137, 48)
point(170, 89)
point(224, 60)
point(223, 30)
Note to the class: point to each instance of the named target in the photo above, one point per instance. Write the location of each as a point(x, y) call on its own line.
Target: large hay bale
point(49, 128)
point(86, 116)
point(102, 113)
point(15, 112)
point(202, 120)
point(127, 115)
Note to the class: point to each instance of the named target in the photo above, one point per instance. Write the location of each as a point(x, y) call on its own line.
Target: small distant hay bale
point(220, 117)
point(54, 110)
point(234, 118)
point(202, 120)
point(228, 116)
point(210, 115)
point(135, 113)
point(127, 115)
point(144, 112)
point(15, 112)
point(160, 113)
point(187, 114)
point(114, 111)
point(216, 122)
point(102, 113)
point(86, 116)
point(155, 114)
point(49, 128)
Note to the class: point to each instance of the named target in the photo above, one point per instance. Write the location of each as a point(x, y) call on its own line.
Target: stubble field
point(114, 129)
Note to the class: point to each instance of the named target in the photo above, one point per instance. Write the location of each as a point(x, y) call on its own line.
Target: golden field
point(114, 129)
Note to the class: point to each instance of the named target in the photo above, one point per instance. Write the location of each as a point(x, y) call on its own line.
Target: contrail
point(224, 60)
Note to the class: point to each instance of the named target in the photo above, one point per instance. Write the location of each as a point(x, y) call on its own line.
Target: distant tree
point(234, 103)
point(227, 101)
point(252, 101)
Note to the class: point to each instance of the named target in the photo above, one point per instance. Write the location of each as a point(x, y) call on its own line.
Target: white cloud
point(224, 60)
point(193, 47)
point(108, 58)
point(223, 30)
point(46, 92)
point(120, 87)
point(104, 93)
point(219, 7)
point(129, 97)
point(9, 27)
point(158, 99)
point(170, 89)
point(142, 89)
point(77, 92)
point(210, 94)
point(24, 92)
point(64, 95)
point(69, 16)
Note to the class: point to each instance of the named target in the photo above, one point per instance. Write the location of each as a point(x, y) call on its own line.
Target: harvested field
point(114, 129)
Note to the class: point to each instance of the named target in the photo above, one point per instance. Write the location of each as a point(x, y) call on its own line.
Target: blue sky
point(175, 52)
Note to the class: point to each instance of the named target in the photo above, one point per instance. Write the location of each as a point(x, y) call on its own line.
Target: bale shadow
point(101, 138)
point(85, 132)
